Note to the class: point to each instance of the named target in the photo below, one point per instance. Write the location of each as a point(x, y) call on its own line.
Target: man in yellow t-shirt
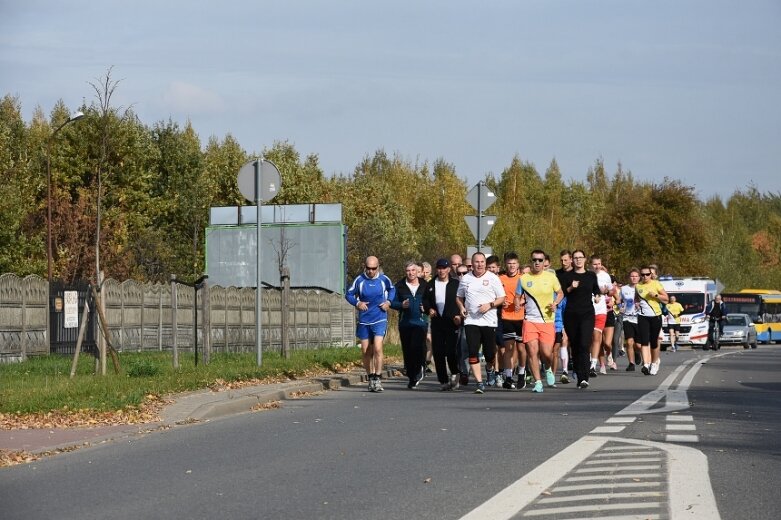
point(674, 310)
point(543, 293)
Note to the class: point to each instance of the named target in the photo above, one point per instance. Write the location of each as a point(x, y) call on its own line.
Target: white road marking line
point(608, 429)
point(506, 504)
point(681, 438)
point(613, 485)
point(611, 468)
point(680, 427)
point(588, 478)
point(621, 420)
point(604, 455)
point(627, 460)
point(625, 448)
point(680, 418)
point(603, 496)
point(602, 507)
point(650, 516)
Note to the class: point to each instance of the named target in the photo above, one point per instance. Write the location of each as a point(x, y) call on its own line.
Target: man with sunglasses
point(542, 293)
point(371, 293)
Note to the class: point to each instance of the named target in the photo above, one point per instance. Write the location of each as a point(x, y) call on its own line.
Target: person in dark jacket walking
point(413, 322)
point(440, 304)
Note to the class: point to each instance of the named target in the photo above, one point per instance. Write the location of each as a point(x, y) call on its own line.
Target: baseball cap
point(443, 262)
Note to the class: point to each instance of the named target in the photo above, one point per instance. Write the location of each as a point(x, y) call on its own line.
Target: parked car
point(739, 330)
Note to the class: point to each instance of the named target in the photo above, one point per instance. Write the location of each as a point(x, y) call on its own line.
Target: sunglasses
point(538, 259)
point(645, 274)
point(371, 268)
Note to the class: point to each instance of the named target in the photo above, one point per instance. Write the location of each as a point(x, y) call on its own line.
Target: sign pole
point(258, 284)
point(479, 215)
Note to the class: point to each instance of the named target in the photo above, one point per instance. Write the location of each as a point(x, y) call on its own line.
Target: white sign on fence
point(71, 309)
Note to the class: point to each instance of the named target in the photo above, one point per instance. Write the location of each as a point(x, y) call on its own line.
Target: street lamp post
point(75, 117)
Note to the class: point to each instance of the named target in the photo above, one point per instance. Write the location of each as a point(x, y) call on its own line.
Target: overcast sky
point(688, 90)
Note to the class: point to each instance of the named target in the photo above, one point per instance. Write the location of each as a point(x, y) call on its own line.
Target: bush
point(143, 368)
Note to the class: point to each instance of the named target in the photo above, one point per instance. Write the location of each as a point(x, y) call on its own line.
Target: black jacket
point(451, 308)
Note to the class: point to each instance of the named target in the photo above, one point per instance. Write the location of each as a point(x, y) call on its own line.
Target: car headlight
point(698, 320)
point(739, 333)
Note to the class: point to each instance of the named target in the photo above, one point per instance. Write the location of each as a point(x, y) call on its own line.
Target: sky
point(686, 90)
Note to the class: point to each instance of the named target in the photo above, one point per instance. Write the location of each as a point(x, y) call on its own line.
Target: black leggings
point(485, 336)
point(580, 330)
point(413, 348)
point(648, 329)
point(444, 339)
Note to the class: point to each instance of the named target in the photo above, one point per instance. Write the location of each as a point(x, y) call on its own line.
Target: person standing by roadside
point(650, 297)
point(582, 289)
point(716, 312)
point(413, 323)
point(442, 308)
point(479, 295)
point(371, 293)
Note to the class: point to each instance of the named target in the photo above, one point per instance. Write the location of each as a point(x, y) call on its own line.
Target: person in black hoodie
point(440, 304)
point(413, 322)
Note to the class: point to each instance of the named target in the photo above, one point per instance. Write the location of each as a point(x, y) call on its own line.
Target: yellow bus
point(764, 307)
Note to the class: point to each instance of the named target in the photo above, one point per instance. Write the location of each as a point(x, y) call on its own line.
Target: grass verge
point(41, 385)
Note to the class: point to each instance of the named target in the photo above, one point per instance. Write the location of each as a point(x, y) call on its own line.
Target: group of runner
point(524, 321)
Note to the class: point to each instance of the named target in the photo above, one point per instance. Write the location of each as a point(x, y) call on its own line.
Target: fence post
point(207, 322)
point(284, 305)
point(160, 319)
point(174, 345)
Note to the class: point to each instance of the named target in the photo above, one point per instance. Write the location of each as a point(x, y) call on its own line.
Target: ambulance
point(694, 294)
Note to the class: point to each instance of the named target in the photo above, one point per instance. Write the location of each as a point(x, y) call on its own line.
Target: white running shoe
point(602, 369)
point(654, 368)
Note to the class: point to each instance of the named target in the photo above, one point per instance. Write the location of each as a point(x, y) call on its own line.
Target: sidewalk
point(187, 408)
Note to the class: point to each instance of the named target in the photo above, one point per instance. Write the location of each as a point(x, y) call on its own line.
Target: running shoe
point(622, 352)
point(537, 387)
point(654, 368)
point(445, 387)
point(564, 378)
point(508, 384)
point(499, 380)
point(611, 363)
point(602, 370)
point(377, 385)
point(645, 370)
point(372, 384)
point(521, 382)
point(480, 388)
point(583, 384)
point(491, 377)
point(550, 378)
point(592, 372)
point(454, 381)
point(630, 367)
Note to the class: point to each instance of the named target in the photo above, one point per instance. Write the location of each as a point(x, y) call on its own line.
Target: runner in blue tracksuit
point(371, 293)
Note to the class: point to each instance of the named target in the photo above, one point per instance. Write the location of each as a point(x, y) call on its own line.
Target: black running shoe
point(630, 367)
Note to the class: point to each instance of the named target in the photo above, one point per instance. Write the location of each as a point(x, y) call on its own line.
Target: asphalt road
point(443, 455)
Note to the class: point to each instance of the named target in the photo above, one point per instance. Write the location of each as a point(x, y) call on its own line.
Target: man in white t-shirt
point(480, 293)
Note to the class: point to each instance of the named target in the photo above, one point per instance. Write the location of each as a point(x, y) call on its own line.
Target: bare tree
point(282, 247)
